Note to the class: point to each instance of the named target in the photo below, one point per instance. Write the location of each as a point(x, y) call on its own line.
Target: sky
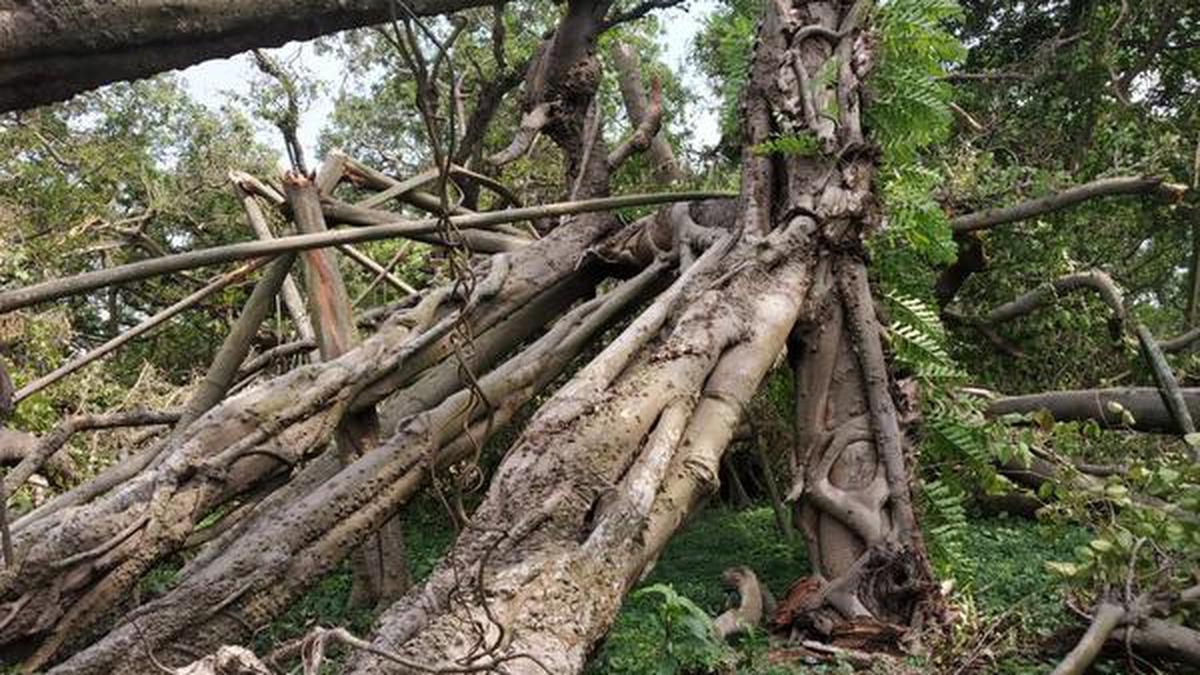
point(212, 81)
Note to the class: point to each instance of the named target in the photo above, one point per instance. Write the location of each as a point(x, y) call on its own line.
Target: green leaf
point(1065, 569)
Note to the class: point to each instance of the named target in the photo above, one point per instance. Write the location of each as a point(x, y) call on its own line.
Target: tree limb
point(629, 80)
point(51, 51)
point(1107, 617)
point(645, 132)
point(1103, 406)
point(51, 442)
point(146, 326)
point(59, 288)
point(1103, 187)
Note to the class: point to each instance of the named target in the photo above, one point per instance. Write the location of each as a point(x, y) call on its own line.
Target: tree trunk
point(75, 562)
point(613, 463)
point(51, 50)
point(609, 467)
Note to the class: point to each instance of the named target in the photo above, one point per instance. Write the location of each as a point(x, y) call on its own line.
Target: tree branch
point(54, 50)
point(50, 443)
point(1108, 617)
point(60, 288)
point(629, 80)
point(1103, 406)
point(1104, 187)
point(144, 327)
point(645, 132)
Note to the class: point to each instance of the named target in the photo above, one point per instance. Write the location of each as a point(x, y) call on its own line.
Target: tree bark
point(613, 463)
point(381, 564)
point(1145, 404)
point(661, 156)
point(51, 50)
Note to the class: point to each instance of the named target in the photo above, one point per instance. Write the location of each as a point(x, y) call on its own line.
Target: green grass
point(1001, 580)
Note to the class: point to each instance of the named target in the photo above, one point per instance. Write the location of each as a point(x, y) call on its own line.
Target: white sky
point(212, 81)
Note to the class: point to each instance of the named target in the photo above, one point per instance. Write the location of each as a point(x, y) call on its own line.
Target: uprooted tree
point(272, 483)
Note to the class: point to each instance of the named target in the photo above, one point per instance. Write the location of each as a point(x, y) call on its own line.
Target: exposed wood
point(380, 564)
point(290, 293)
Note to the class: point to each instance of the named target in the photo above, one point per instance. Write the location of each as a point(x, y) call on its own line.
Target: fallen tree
point(271, 488)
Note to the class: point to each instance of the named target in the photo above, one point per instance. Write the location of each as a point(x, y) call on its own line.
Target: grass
point(1002, 589)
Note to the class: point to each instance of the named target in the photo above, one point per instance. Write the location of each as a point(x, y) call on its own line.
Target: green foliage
point(723, 50)
point(803, 143)
point(908, 108)
point(908, 111)
point(691, 643)
point(959, 447)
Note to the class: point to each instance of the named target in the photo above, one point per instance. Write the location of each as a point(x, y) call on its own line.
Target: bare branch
point(371, 266)
point(56, 438)
point(1104, 187)
point(1027, 303)
point(645, 132)
point(224, 368)
point(283, 351)
point(1168, 386)
point(144, 327)
point(636, 12)
point(1103, 406)
point(60, 288)
point(288, 122)
point(629, 80)
point(246, 186)
point(531, 125)
point(1108, 617)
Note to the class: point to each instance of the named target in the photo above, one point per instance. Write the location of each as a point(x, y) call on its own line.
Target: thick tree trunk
point(76, 563)
point(612, 464)
point(51, 50)
point(853, 503)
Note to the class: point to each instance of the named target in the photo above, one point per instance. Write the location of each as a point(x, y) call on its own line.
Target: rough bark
point(302, 532)
point(380, 565)
point(613, 463)
point(104, 546)
point(51, 50)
